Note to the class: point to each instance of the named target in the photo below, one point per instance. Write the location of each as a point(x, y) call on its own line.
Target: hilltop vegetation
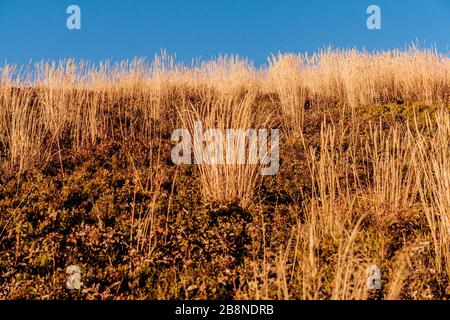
point(87, 179)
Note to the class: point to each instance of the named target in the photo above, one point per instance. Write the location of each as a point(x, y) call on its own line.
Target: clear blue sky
point(123, 29)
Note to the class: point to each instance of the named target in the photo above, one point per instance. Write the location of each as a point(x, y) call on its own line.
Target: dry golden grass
point(358, 171)
point(75, 99)
point(408, 173)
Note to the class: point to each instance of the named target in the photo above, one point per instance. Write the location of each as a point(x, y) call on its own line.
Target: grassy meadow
point(86, 178)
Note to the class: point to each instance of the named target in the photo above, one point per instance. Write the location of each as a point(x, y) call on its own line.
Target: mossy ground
point(86, 213)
